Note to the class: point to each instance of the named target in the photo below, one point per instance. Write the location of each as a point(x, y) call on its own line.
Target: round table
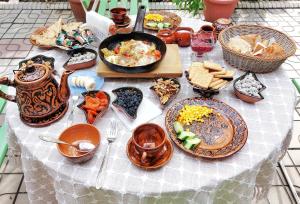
point(245, 176)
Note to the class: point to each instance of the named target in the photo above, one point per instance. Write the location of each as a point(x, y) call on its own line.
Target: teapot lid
point(31, 72)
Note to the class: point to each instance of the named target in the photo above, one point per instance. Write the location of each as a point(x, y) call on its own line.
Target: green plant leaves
point(193, 6)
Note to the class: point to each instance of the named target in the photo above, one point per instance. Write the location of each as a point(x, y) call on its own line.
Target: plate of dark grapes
point(128, 100)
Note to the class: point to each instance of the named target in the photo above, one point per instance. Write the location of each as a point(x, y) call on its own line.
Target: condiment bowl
point(81, 65)
point(74, 134)
point(245, 97)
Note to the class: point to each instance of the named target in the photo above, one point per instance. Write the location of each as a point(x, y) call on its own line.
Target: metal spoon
point(81, 146)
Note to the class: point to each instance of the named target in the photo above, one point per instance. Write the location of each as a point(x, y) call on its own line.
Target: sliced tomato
point(117, 50)
point(90, 117)
point(101, 95)
point(101, 108)
point(126, 55)
point(87, 108)
point(94, 113)
point(157, 54)
point(103, 101)
point(91, 103)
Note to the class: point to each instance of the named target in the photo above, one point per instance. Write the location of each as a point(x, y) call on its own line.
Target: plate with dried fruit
point(206, 128)
point(166, 90)
point(128, 100)
point(208, 78)
point(95, 104)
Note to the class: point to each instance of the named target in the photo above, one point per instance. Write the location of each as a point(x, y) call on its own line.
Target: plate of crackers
point(208, 77)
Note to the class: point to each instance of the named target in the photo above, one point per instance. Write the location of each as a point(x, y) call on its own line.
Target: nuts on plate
point(165, 89)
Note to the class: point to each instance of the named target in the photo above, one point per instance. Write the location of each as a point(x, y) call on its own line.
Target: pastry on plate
point(274, 50)
point(252, 39)
point(240, 45)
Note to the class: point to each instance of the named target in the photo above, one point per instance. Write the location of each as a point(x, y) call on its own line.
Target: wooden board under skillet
point(240, 130)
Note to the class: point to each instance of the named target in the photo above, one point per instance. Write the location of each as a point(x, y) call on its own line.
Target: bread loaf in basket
point(248, 62)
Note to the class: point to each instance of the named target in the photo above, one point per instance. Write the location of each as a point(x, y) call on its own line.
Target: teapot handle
point(6, 81)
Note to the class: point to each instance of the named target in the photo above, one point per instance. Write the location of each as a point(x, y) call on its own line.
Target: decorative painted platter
point(222, 134)
point(170, 17)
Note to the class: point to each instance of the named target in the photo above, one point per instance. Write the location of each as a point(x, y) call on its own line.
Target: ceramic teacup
point(118, 15)
point(183, 36)
point(149, 140)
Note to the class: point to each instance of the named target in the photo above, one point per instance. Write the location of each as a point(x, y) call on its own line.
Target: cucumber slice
point(167, 25)
point(178, 127)
point(191, 143)
point(185, 135)
point(160, 25)
point(152, 24)
point(187, 145)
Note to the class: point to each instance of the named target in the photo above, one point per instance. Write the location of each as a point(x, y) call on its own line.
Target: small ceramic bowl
point(172, 97)
point(166, 35)
point(93, 94)
point(183, 36)
point(118, 15)
point(75, 133)
point(82, 65)
point(245, 97)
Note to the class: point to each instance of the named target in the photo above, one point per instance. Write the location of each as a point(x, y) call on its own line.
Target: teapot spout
point(64, 90)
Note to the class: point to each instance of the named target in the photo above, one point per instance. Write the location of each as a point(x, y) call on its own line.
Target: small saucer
point(133, 157)
point(125, 23)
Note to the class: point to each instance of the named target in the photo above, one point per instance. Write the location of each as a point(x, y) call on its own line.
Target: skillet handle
point(139, 22)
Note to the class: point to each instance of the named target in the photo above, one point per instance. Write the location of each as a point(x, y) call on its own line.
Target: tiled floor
point(17, 24)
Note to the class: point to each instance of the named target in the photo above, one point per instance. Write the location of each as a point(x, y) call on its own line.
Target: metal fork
point(112, 135)
point(75, 99)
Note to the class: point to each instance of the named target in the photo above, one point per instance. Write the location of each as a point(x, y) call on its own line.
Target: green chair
point(296, 82)
point(3, 143)
point(106, 5)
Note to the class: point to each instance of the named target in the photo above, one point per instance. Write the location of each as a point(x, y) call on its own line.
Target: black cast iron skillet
point(137, 34)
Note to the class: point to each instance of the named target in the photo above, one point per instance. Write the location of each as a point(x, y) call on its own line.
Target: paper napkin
point(146, 112)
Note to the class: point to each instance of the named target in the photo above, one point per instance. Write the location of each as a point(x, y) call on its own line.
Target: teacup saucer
point(125, 23)
point(135, 159)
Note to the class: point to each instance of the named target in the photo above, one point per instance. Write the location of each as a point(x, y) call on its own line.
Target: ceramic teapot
point(40, 99)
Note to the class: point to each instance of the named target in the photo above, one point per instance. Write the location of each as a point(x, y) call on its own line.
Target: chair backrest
point(106, 5)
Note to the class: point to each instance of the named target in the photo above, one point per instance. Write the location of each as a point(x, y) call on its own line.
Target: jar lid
point(224, 21)
point(31, 72)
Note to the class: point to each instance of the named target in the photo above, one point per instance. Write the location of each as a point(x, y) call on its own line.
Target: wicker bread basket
point(253, 63)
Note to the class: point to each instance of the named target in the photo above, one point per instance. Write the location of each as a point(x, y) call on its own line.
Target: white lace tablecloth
point(245, 176)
